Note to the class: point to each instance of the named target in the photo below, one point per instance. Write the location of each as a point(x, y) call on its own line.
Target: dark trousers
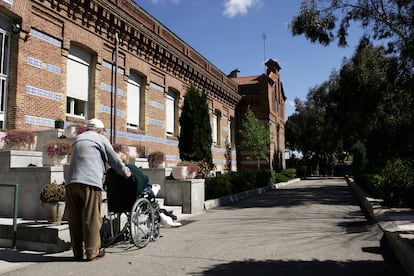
point(83, 207)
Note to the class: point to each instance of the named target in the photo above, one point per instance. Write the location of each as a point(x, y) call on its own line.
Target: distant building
point(266, 98)
point(65, 59)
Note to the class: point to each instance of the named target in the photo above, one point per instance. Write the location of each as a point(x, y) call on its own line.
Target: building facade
point(108, 59)
point(266, 98)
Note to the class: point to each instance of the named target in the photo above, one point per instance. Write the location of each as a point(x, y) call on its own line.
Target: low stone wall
point(30, 179)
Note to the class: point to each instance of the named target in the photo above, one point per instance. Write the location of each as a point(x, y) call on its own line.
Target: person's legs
point(92, 222)
point(74, 210)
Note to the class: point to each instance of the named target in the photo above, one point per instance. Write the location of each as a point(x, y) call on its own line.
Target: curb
point(400, 242)
point(229, 199)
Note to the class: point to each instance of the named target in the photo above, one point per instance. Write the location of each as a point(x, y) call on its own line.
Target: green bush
point(243, 180)
point(218, 186)
point(263, 178)
point(372, 184)
point(301, 171)
point(279, 177)
point(359, 161)
point(398, 184)
point(289, 173)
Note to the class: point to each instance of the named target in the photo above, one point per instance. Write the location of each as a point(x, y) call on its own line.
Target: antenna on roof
point(264, 50)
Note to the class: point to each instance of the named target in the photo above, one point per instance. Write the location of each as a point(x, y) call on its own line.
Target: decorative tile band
point(156, 122)
point(39, 64)
point(46, 37)
point(156, 104)
point(110, 88)
point(110, 66)
point(8, 1)
point(157, 86)
point(107, 109)
point(43, 93)
point(39, 121)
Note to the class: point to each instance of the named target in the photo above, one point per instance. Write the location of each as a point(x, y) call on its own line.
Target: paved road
point(312, 227)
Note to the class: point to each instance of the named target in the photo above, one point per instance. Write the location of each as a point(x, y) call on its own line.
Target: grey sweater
point(90, 153)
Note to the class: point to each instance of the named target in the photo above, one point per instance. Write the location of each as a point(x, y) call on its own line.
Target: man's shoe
point(100, 255)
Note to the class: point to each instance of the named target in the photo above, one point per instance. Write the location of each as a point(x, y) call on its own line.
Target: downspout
point(115, 86)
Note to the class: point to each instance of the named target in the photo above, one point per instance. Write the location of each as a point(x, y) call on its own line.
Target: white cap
point(95, 124)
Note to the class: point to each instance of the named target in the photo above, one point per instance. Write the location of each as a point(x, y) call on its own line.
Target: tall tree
point(195, 138)
point(392, 20)
point(255, 138)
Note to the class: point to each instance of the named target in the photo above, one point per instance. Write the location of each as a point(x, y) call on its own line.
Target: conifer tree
point(195, 138)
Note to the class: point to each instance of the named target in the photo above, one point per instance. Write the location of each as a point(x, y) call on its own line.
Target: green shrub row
point(394, 183)
point(236, 182)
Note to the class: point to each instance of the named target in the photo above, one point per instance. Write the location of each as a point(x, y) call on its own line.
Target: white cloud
point(235, 7)
point(291, 103)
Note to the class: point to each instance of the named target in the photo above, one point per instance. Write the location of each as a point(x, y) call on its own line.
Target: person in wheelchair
point(122, 192)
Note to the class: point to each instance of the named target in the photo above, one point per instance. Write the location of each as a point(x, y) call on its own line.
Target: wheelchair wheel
point(141, 222)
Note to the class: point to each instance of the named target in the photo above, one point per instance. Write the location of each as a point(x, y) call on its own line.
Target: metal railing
point(15, 209)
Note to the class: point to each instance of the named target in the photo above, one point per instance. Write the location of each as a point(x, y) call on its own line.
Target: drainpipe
point(115, 85)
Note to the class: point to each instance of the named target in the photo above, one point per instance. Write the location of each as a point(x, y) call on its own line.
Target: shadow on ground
point(293, 267)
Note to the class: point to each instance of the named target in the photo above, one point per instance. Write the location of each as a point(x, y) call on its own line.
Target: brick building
point(59, 58)
point(266, 98)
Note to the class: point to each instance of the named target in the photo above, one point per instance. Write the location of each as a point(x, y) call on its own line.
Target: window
point(4, 63)
point(134, 101)
point(171, 111)
point(216, 128)
point(77, 82)
point(230, 132)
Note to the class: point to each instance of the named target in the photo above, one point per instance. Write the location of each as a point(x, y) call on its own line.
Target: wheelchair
point(141, 220)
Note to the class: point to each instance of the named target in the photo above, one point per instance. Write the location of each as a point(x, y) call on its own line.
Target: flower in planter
point(59, 148)
point(74, 130)
point(192, 168)
point(120, 148)
point(140, 150)
point(155, 159)
point(16, 139)
point(53, 192)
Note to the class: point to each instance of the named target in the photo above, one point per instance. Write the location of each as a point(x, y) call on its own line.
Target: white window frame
point(78, 82)
point(171, 110)
point(4, 75)
point(134, 101)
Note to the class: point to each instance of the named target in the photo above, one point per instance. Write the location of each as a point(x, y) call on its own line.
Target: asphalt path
point(311, 227)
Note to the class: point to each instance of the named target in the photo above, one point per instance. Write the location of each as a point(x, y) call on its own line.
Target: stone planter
point(182, 172)
point(54, 211)
point(179, 172)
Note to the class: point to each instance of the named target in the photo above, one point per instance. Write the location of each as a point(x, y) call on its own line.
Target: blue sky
point(229, 33)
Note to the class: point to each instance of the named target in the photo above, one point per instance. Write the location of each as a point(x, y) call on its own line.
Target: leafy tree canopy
point(255, 137)
point(323, 21)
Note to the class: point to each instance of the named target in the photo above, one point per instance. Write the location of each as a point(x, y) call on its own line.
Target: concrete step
point(35, 235)
point(42, 236)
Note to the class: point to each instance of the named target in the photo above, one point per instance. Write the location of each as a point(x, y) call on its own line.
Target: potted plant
point(185, 170)
point(74, 130)
point(52, 197)
point(155, 159)
point(19, 140)
point(140, 150)
point(59, 150)
point(59, 123)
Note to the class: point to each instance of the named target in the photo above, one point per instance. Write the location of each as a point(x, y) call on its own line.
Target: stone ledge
point(35, 236)
point(400, 241)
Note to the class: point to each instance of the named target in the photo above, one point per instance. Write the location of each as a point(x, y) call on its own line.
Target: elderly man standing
point(91, 153)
